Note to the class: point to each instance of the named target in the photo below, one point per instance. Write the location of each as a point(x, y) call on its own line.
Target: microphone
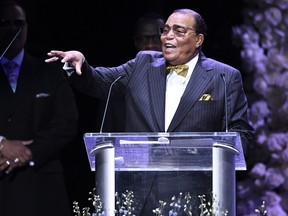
point(11, 42)
point(225, 101)
point(107, 101)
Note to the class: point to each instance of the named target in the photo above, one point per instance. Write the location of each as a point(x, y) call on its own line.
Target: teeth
point(169, 45)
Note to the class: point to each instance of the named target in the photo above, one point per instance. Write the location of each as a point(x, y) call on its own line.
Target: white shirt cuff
point(68, 68)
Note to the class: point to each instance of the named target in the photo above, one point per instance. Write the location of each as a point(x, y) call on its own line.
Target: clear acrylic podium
point(220, 153)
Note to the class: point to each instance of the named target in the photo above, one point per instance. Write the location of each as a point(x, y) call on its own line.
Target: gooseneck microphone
point(225, 101)
point(11, 42)
point(107, 102)
point(104, 154)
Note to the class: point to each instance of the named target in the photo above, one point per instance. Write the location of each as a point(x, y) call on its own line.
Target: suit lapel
point(25, 84)
point(5, 88)
point(194, 90)
point(157, 86)
point(27, 78)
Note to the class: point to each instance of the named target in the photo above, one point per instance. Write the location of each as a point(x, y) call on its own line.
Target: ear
point(199, 40)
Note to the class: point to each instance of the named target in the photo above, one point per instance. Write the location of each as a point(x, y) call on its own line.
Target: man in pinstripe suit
point(157, 101)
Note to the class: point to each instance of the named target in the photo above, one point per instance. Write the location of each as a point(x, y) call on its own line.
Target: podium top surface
point(164, 134)
point(173, 151)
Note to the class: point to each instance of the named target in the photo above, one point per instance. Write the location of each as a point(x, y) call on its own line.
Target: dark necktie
point(11, 73)
point(179, 69)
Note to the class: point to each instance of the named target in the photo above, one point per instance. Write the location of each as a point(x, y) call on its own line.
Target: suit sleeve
point(238, 112)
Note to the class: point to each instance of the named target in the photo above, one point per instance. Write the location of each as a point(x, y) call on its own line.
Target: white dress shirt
point(175, 87)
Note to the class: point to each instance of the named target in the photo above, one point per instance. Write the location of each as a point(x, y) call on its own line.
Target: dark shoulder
point(149, 53)
point(222, 64)
point(149, 56)
point(210, 63)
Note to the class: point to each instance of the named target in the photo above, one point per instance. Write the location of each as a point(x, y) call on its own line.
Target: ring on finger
point(16, 160)
point(8, 163)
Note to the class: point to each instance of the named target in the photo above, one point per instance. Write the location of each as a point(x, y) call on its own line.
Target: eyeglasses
point(179, 31)
point(12, 23)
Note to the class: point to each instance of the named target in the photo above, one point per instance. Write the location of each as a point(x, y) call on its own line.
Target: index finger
point(55, 55)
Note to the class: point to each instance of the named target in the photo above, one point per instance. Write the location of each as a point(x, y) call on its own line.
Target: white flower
point(274, 178)
point(283, 79)
point(276, 211)
point(282, 4)
point(277, 142)
point(273, 16)
point(284, 156)
point(258, 171)
point(272, 198)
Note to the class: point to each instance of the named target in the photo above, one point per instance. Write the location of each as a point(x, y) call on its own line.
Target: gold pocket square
point(206, 97)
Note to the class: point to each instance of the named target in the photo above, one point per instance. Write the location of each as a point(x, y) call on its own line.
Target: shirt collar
point(192, 63)
point(17, 59)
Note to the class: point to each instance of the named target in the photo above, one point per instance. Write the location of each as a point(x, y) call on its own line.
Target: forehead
point(12, 12)
point(181, 19)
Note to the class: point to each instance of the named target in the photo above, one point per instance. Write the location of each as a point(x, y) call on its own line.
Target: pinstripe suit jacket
point(143, 88)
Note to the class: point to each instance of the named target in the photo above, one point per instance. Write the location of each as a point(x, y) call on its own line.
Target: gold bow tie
point(179, 69)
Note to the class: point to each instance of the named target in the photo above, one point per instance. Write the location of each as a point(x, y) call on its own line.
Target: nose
point(170, 33)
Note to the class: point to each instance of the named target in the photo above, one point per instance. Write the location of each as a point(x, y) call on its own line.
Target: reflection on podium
point(159, 166)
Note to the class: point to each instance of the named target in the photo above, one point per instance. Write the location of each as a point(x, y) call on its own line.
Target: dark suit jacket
point(43, 109)
point(143, 88)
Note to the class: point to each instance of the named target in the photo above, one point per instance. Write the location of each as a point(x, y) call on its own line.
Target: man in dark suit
point(38, 118)
point(161, 100)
